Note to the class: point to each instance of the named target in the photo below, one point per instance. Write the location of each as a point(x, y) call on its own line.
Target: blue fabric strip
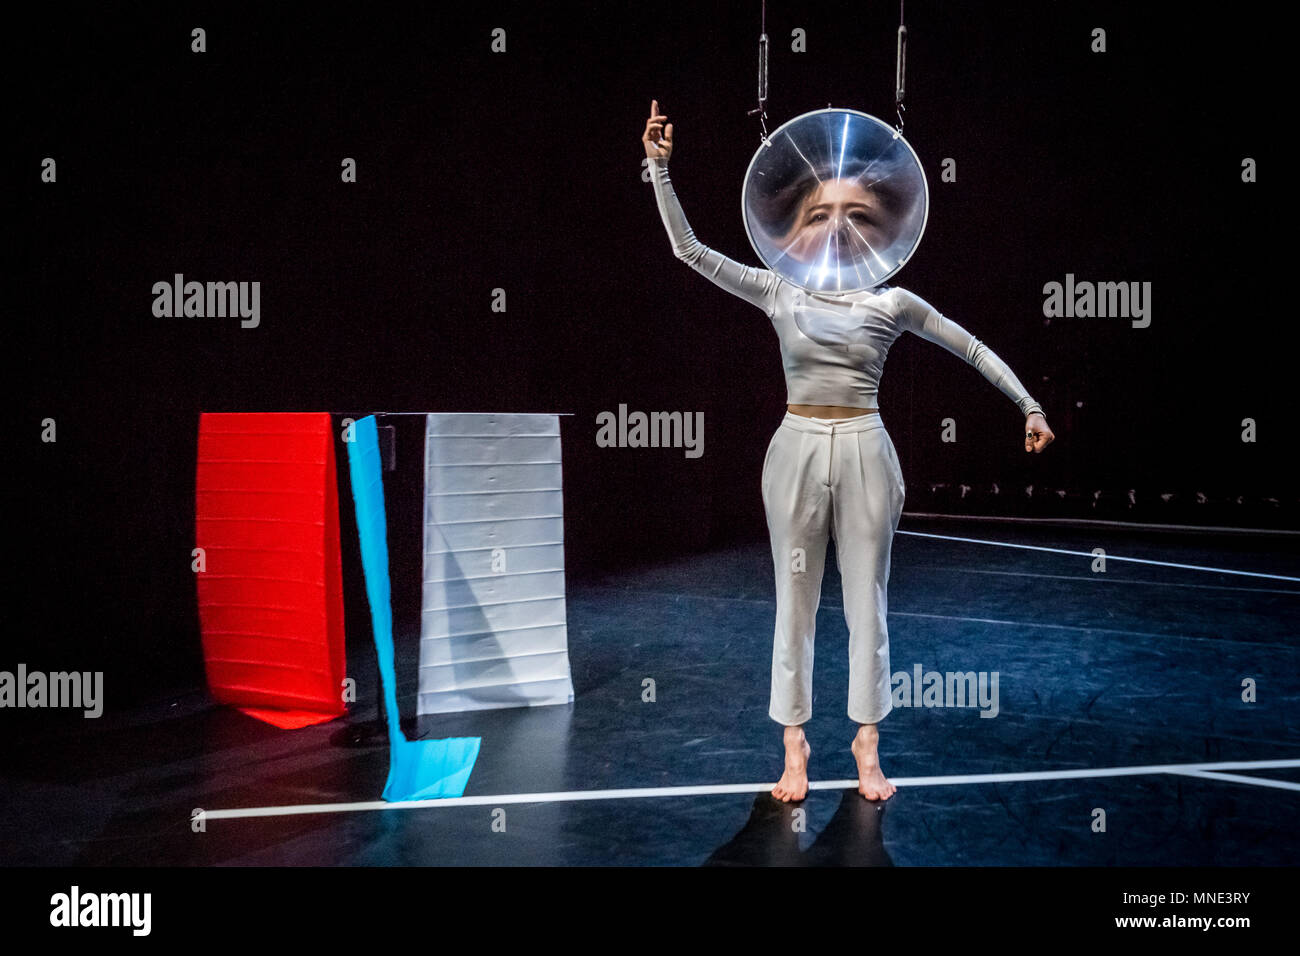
point(418, 769)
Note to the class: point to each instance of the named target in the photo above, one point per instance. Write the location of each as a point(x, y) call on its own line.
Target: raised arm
point(918, 316)
point(756, 286)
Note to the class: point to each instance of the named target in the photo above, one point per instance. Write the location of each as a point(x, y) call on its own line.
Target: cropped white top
point(829, 374)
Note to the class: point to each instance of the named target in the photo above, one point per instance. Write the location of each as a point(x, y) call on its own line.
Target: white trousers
point(824, 478)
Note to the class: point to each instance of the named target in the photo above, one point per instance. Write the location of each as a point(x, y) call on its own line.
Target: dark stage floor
point(1140, 666)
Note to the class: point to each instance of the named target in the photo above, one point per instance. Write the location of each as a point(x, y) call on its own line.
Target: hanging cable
point(762, 78)
point(900, 67)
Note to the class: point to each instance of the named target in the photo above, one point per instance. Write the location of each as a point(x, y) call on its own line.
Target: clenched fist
point(1037, 435)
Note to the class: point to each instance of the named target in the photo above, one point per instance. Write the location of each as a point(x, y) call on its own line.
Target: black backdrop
point(522, 171)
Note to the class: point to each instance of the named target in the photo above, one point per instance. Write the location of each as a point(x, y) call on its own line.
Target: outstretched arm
point(755, 286)
point(918, 316)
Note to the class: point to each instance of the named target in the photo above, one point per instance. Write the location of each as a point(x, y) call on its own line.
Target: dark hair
point(778, 209)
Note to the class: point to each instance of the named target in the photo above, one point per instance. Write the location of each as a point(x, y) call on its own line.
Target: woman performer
point(831, 469)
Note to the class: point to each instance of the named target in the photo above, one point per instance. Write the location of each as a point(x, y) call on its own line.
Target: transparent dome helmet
point(836, 203)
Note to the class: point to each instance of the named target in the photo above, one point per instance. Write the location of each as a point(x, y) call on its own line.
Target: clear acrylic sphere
point(837, 202)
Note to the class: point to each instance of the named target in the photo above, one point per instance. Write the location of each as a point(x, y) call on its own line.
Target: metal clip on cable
point(762, 80)
point(900, 73)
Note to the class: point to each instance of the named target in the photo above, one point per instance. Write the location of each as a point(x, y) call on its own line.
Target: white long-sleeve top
point(817, 374)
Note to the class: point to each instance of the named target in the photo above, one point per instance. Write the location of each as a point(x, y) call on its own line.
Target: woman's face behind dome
point(839, 221)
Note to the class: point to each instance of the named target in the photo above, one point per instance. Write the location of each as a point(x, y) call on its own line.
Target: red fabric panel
point(271, 599)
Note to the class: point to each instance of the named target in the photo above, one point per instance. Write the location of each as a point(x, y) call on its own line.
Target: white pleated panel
point(488, 697)
point(473, 647)
point(475, 506)
point(492, 625)
point(462, 536)
point(437, 623)
point(469, 675)
point(493, 589)
point(445, 565)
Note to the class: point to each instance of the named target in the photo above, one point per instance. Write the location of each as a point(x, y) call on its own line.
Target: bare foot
point(793, 784)
point(871, 782)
